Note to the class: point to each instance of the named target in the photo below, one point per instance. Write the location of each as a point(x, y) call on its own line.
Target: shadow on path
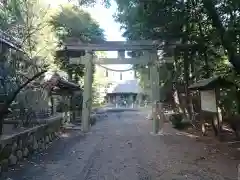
point(121, 148)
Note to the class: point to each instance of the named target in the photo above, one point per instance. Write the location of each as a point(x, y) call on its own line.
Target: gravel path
point(121, 148)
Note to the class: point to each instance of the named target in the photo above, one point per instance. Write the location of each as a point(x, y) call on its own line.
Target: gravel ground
point(120, 147)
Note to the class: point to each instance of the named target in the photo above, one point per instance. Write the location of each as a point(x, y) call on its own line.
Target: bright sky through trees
point(112, 29)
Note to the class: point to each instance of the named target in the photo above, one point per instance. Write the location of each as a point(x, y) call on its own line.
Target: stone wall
point(15, 147)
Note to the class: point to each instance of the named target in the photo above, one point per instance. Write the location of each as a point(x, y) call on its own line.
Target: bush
point(176, 120)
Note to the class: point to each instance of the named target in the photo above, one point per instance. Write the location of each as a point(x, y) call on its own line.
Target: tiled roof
point(129, 86)
point(211, 83)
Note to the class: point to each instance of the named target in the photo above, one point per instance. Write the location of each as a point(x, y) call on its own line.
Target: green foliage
point(39, 30)
point(72, 21)
point(100, 82)
point(187, 22)
point(91, 3)
point(10, 15)
point(27, 20)
point(176, 120)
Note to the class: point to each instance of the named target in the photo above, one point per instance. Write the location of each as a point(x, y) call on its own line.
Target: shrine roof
point(211, 83)
point(125, 87)
point(63, 85)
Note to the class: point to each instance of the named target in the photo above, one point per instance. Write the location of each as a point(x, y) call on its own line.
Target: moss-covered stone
point(21, 145)
point(12, 160)
point(25, 152)
point(19, 154)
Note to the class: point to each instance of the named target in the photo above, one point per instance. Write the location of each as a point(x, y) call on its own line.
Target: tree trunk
point(186, 85)
point(207, 69)
point(179, 106)
point(52, 103)
point(4, 108)
point(186, 53)
point(238, 100)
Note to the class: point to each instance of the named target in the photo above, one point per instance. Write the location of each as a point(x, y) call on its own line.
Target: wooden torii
point(150, 57)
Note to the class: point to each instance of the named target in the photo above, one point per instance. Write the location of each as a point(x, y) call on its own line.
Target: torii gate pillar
point(87, 94)
point(154, 75)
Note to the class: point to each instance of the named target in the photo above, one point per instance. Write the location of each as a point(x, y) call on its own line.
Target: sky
point(104, 17)
point(112, 29)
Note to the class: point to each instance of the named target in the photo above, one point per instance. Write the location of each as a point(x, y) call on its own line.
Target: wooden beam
point(141, 60)
point(122, 61)
point(111, 61)
point(115, 46)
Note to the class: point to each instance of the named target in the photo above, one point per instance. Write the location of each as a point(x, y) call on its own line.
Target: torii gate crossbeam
point(115, 46)
point(150, 57)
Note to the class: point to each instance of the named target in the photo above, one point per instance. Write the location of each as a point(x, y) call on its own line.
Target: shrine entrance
point(148, 57)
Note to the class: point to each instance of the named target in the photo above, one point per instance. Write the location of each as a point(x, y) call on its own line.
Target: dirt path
point(121, 148)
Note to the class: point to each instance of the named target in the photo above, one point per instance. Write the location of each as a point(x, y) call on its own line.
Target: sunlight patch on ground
point(187, 134)
point(65, 135)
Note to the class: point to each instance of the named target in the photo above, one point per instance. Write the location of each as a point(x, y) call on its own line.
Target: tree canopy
point(39, 29)
point(205, 33)
point(72, 21)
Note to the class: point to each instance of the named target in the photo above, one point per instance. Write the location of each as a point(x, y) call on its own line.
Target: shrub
point(176, 120)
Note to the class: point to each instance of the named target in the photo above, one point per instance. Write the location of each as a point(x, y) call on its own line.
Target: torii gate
point(149, 57)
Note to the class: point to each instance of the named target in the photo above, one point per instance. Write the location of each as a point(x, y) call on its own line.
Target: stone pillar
point(132, 101)
point(140, 99)
point(117, 100)
point(87, 94)
point(155, 92)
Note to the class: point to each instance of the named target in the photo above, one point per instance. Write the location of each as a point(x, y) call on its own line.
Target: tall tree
point(72, 23)
point(28, 53)
point(27, 20)
point(189, 22)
